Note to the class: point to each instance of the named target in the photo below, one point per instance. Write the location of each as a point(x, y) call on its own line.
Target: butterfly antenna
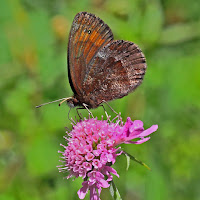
point(62, 100)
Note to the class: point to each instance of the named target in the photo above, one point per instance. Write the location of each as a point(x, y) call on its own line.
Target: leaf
point(114, 191)
point(136, 160)
point(128, 161)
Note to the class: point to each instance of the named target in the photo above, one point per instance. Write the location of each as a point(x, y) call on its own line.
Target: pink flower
point(133, 130)
point(92, 150)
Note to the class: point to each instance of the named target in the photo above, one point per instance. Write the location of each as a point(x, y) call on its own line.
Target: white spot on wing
point(103, 55)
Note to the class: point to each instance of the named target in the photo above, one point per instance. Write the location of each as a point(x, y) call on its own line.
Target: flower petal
point(127, 126)
point(103, 183)
point(137, 125)
point(111, 170)
point(142, 140)
point(83, 191)
point(93, 193)
point(149, 131)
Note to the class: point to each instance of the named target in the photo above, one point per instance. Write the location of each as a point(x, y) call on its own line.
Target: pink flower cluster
point(92, 149)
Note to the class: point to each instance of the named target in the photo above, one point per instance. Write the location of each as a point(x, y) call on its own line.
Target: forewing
point(87, 36)
point(116, 70)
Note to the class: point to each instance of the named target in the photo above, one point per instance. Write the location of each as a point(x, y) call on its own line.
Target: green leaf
point(128, 161)
point(114, 191)
point(136, 160)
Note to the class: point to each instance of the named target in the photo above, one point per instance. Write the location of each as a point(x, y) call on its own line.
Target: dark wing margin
point(116, 70)
point(87, 36)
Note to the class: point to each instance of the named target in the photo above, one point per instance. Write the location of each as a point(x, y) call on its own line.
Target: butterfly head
point(72, 102)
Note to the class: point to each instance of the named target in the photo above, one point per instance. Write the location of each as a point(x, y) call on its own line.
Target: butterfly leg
point(79, 114)
point(109, 106)
point(85, 106)
point(105, 111)
point(118, 118)
point(73, 122)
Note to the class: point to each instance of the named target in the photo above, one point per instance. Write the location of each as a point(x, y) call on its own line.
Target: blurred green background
point(33, 70)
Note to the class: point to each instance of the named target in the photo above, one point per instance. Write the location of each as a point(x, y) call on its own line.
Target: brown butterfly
point(100, 69)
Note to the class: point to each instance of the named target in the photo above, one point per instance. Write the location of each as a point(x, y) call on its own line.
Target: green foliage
point(130, 157)
point(33, 66)
point(114, 191)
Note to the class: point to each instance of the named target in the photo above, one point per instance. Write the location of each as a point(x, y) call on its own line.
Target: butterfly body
point(99, 67)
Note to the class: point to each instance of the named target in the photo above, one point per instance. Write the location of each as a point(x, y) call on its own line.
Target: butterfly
point(100, 69)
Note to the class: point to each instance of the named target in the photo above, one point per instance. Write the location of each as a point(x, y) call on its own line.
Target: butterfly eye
point(89, 31)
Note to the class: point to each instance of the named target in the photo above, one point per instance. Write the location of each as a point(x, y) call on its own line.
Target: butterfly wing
point(116, 70)
point(88, 34)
